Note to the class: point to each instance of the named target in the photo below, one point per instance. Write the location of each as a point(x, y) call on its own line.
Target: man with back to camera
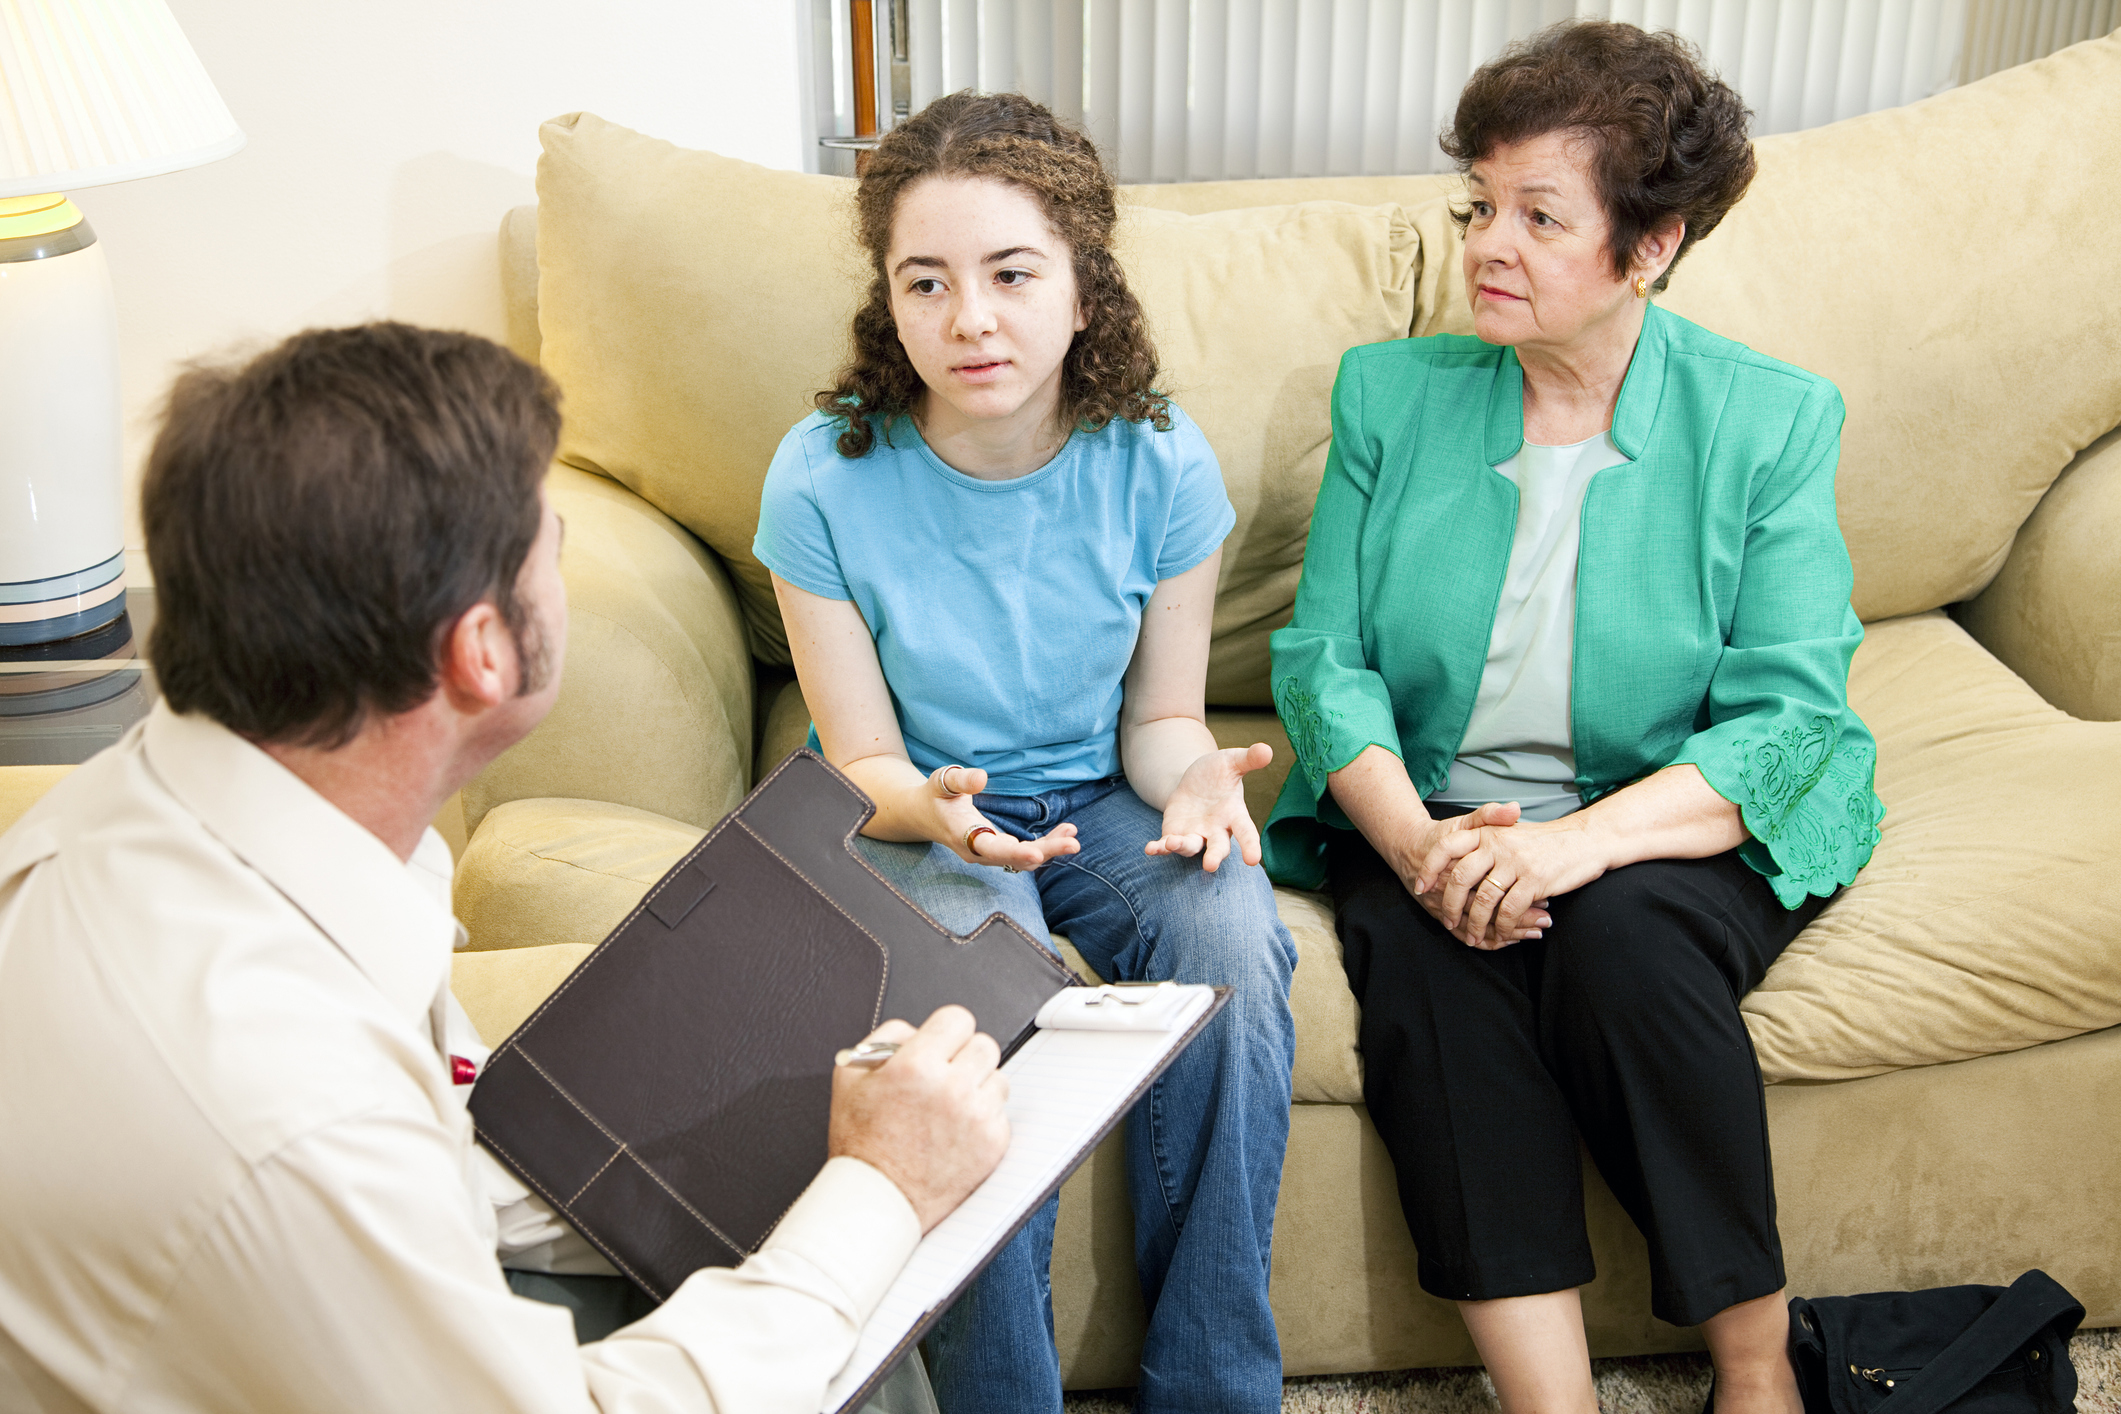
point(237, 1172)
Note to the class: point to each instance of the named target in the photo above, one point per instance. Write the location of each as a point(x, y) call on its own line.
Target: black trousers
point(1621, 1024)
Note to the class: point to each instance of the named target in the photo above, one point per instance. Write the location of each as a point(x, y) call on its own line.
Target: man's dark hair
point(1668, 139)
point(319, 517)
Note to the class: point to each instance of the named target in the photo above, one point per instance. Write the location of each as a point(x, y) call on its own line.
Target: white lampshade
point(97, 91)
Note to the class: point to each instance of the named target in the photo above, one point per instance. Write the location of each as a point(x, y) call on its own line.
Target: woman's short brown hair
point(1110, 369)
point(1668, 139)
point(317, 518)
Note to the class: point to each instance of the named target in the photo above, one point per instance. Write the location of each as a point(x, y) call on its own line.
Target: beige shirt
point(235, 1174)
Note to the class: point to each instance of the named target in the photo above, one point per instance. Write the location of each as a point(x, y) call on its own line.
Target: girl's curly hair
point(1110, 369)
point(1668, 139)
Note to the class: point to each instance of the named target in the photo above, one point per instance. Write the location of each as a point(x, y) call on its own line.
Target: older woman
point(1567, 682)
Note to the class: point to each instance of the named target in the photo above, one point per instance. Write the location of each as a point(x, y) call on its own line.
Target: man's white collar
point(388, 917)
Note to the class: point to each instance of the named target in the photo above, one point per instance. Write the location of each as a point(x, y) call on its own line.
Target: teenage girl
point(995, 547)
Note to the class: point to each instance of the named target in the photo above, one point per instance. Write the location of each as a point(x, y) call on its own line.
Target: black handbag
point(1966, 1349)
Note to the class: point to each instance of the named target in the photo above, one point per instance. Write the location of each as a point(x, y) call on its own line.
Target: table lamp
point(91, 92)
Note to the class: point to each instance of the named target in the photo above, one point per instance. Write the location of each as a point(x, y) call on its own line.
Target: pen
point(868, 1053)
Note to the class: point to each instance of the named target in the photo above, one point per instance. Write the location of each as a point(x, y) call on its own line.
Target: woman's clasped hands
point(1490, 877)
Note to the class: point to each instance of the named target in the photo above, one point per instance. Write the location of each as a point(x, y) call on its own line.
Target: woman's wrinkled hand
point(1498, 890)
point(957, 817)
point(1206, 812)
point(1427, 860)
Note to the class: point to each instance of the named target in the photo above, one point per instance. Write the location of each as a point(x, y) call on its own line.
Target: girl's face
point(983, 293)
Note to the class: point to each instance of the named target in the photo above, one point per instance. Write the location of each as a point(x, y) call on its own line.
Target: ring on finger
point(973, 834)
point(941, 779)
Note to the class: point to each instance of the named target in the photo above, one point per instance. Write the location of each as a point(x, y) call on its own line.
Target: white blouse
point(1518, 744)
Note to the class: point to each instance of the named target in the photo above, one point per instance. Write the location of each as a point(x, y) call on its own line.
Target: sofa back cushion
point(1251, 309)
point(1953, 266)
point(690, 304)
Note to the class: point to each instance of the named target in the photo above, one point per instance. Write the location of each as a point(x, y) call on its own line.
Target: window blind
point(1200, 90)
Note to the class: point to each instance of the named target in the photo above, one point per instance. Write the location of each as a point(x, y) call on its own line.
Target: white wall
point(387, 138)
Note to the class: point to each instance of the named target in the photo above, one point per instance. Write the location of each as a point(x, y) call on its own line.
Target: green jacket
point(1712, 593)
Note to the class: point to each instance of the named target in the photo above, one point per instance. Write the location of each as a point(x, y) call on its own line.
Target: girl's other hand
point(1206, 811)
point(957, 818)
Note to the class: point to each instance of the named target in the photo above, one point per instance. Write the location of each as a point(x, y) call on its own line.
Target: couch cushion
point(680, 379)
point(2052, 614)
point(544, 873)
point(1251, 310)
point(1985, 921)
point(1950, 265)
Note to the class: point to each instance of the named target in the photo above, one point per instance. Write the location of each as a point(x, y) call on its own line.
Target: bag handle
point(2033, 1302)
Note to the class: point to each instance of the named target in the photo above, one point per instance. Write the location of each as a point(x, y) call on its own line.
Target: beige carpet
point(1654, 1384)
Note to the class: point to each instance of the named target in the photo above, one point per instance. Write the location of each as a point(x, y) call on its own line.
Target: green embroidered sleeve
point(1804, 790)
point(1783, 744)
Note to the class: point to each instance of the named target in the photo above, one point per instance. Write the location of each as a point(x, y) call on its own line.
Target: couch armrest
point(22, 786)
point(2053, 614)
point(654, 709)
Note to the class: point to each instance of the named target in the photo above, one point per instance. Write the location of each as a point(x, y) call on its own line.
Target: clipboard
point(671, 1098)
point(1069, 1089)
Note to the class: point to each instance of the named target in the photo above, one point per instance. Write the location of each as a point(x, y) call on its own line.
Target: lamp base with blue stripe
point(62, 566)
point(62, 606)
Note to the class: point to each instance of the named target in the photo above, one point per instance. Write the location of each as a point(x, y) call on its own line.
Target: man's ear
point(478, 666)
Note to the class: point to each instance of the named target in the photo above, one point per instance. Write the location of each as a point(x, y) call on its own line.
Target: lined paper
point(1064, 1088)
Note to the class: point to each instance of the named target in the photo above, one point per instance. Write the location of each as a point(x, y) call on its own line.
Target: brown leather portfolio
point(670, 1099)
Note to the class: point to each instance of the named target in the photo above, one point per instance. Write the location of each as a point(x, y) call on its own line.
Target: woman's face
point(983, 293)
point(1537, 272)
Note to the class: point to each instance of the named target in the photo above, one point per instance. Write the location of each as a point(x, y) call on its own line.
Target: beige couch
point(1942, 1045)
point(1939, 1112)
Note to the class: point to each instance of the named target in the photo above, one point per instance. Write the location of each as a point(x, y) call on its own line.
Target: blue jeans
point(1204, 1147)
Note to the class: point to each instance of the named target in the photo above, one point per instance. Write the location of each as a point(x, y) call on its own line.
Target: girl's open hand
point(957, 818)
point(1206, 811)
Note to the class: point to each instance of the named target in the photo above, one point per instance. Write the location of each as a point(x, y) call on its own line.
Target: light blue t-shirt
point(1004, 612)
